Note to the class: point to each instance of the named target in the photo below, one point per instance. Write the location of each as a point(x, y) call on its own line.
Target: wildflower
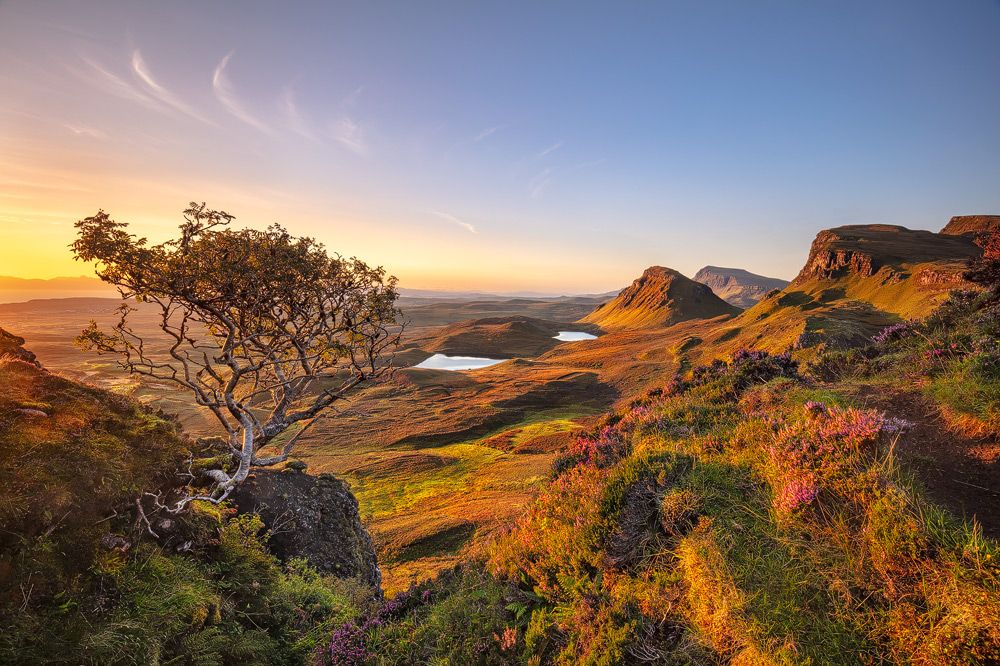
point(796, 493)
point(893, 332)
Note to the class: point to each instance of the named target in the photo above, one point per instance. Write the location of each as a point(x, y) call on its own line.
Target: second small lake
point(574, 336)
point(444, 362)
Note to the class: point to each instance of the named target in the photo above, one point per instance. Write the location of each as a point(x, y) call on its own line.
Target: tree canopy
point(266, 330)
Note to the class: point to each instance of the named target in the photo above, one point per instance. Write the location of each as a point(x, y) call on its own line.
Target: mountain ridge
point(659, 297)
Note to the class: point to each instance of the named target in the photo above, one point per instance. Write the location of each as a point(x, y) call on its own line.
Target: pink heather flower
point(813, 407)
point(796, 493)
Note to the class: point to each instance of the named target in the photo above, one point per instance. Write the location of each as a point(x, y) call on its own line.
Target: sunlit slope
point(660, 297)
point(856, 280)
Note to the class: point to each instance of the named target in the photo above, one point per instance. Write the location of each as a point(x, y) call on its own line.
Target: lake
point(443, 362)
point(574, 336)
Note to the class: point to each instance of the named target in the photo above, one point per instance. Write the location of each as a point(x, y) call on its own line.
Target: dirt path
point(960, 473)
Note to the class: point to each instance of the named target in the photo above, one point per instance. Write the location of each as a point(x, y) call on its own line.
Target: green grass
point(604, 567)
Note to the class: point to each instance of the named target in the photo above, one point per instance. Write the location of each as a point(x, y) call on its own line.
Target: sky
point(558, 147)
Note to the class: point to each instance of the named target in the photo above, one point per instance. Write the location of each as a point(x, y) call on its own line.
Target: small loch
point(574, 336)
point(445, 362)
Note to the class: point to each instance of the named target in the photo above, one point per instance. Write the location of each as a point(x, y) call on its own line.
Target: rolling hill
point(659, 297)
point(495, 337)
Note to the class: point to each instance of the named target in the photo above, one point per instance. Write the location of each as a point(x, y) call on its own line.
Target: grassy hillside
point(494, 337)
point(659, 297)
point(749, 512)
point(855, 281)
point(81, 580)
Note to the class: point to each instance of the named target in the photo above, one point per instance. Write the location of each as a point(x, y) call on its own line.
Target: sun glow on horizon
point(430, 147)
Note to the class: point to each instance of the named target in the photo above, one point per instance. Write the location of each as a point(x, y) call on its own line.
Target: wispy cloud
point(542, 180)
point(227, 96)
point(141, 70)
point(81, 130)
point(448, 217)
point(538, 184)
point(347, 132)
point(114, 84)
point(296, 122)
point(551, 149)
point(487, 132)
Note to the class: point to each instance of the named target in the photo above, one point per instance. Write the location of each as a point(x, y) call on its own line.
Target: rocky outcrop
point(972, 224)
point(737, 286)
point(312, 517)
point(11, 346)
point(660, 297)
point(864, 250)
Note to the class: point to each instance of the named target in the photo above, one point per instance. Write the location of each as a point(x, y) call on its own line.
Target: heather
point(951, 358)
point(743, 512)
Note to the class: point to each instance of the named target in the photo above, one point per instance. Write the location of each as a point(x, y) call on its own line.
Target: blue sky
point(558, 147)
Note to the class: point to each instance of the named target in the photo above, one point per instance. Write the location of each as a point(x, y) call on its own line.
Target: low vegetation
point(769, 508)
point(750, 511)
point(81, 580)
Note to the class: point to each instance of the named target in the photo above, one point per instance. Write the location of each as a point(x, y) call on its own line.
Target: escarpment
point(864, 250)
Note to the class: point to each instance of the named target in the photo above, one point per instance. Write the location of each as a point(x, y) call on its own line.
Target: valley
point(447, 454)
point(486, 395)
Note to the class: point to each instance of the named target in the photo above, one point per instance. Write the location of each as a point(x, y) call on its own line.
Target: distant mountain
point(737, 286)
point(16, 290)
point(660, 297)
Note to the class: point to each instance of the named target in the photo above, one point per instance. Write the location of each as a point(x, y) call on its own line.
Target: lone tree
point(266, 330)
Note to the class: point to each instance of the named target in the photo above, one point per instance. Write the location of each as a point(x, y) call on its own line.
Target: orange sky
point(481, 147)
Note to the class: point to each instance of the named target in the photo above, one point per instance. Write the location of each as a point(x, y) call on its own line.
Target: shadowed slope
point(737, 286)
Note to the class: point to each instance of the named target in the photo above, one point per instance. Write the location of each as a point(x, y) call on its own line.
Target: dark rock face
point(11, 346)
point(737, 286)
point(313, 517)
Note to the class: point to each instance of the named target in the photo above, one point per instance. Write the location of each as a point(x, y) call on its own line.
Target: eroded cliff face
point(313, 517)
point(865, 250)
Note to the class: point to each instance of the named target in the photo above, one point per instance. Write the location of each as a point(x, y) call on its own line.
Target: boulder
point(312, 517)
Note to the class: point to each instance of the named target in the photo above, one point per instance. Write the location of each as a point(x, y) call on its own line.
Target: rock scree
point(313, 517)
